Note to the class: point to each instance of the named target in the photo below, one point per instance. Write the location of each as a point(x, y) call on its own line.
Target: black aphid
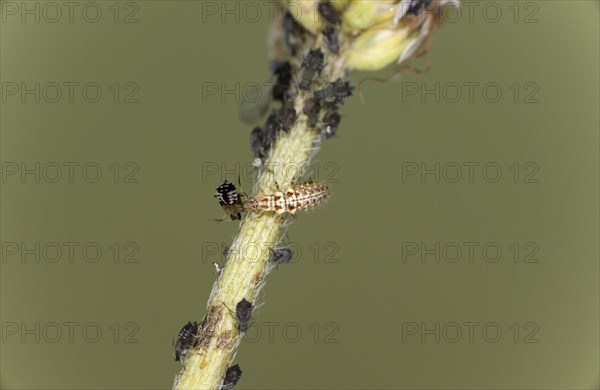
point(334, 92)
point(311, 110)
point(312, 64)
point(243, 314)
point(257, 142)
point(294, 33)
point(282, 255)
point(329, 12)
point(185, 340)
point(287, 117)
point(283, 73)
point(232, 377)
point(230, 200)
point(270, 129)
point(330, 123)
point(330, 36)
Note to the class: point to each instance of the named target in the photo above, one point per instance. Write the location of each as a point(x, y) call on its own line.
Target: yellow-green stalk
point(369, 40)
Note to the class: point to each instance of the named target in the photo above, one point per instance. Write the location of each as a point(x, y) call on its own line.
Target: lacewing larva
point(296, 197)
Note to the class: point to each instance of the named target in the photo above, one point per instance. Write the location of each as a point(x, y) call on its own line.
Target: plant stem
point(249, 259)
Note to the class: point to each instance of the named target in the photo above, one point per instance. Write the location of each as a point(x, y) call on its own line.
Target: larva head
point(252, 204)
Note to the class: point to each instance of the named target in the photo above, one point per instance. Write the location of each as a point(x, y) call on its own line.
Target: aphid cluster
point(322, 106)
point(232, 377)
point(262, 139)
point(324, 103)
point(296, 197)
point(330, 14)
point(230, 200)
point(327, 100)
point(281, 119)
point(185, 340)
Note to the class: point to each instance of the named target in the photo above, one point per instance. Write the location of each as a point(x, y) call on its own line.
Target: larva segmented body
point(297, 197)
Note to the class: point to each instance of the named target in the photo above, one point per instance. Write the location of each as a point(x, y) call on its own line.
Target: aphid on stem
point(311, 109)
point(334, 92)
point(287, 116)
point(312, 64)
point(243, 314)
point(282, 255)
point(257, 142)
point(185, 340)
point(283, 73)
point(328, 12)
point(330, 36)
point(232, 377)
point(270, 129)
point(294, 33)
point(330, 123)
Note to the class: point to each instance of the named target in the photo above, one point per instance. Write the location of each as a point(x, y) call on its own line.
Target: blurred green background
point(378, 296)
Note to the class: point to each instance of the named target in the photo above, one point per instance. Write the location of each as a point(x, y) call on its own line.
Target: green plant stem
point(249, 260)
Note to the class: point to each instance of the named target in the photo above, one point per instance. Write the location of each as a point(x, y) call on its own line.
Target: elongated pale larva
point(296, 197)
